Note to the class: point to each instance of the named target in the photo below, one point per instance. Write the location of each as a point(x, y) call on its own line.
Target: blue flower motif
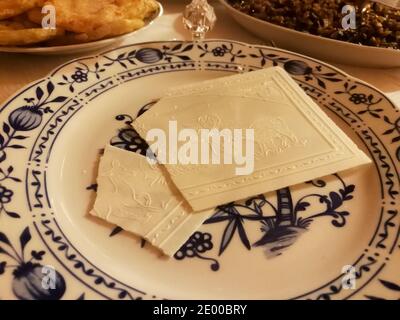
point(25, 118)
point(5, 195)
point(297, 67)
point(28, 283)
point(31, 280)
point(218, 52)
point(128, 139)
point(80, 76)
point(358, 98)
point(198, 243)
point(149, 55)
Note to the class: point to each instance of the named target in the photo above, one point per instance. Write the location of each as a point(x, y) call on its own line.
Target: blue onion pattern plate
point(342, 241)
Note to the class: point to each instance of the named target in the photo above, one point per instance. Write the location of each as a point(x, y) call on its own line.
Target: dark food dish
point(377, 25)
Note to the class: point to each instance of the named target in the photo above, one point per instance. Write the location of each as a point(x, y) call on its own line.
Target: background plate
point(316, 46)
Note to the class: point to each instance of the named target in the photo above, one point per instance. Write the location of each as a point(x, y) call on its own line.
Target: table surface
point(18, 70)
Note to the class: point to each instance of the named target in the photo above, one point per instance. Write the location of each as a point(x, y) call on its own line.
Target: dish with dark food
point(377, 25)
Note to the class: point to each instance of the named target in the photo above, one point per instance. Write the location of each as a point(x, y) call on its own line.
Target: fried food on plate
point(102, 18)
point(82, 20)
point(35, 15)
point(12, 8)
point(20, 22)
point(15, 24)
point(140, 9)
point(19, 37)
point(68, 38)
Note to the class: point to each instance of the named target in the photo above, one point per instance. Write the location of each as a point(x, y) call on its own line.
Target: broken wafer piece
point(294, 140)
point(140, 198)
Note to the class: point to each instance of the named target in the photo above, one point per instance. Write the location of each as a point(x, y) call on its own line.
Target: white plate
point(319, 47)
point(83, 47)
point(52, 133)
